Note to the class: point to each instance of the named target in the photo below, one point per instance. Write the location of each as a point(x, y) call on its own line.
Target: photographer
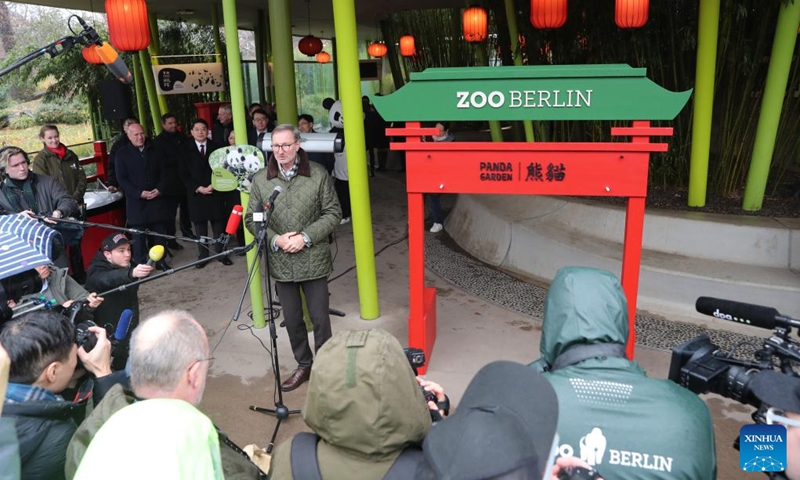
point(365, 406)
point(611, 415)
point(782, 393)
point(44, 357)
point(57, 285)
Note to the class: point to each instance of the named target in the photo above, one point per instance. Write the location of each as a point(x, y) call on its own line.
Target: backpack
point(305, 466)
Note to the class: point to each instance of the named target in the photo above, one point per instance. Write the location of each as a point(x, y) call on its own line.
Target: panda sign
point(233, 167)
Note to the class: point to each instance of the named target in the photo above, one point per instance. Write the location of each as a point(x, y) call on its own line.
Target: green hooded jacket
point(626, 425)
point(365, 405)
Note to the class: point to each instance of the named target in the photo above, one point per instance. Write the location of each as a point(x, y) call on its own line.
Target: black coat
point(196, 172)
point(103, 276)
point(121, 142)
point(170, 144)
point(44, 429)
point(139, 171)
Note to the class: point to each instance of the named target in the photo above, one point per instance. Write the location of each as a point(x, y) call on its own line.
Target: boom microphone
point(234, 220)
point(123, 325)
point(155, 254)
point(745, 313)
point(114, 63)
point(233, 224)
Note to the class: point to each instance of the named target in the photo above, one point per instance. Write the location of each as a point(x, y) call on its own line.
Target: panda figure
point(234, 161)
point(341, 183)
point(252, 163)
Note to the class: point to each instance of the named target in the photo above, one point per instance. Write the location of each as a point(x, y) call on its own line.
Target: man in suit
point(260, 131)
point(169, 141)
point(142, 175)
point(206, 205)
point(223, 126)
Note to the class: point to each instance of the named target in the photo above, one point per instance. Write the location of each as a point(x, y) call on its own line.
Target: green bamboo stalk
point(772, 104)
point(708, 25)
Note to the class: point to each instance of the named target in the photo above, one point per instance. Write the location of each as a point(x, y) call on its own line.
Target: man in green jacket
point(303, 218)
point(611, 415)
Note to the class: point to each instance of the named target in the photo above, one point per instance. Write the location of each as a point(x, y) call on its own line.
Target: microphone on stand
point(233, 224)
point(271, 202)
point(155, 254)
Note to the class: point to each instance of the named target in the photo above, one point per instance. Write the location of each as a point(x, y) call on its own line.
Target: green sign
point(233, 167)
point(560, 92)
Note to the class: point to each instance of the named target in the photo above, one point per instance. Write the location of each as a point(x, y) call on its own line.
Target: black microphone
point(745, 313)
point(271, 202)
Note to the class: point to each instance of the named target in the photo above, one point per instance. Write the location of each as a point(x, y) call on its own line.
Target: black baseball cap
point(777, 390)
point(113, 241)
point(505, 423)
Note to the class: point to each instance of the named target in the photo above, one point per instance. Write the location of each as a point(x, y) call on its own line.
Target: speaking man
point(304, 216)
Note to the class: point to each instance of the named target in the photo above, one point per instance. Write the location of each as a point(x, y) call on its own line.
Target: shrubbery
point(68, 113)
point(22, 122)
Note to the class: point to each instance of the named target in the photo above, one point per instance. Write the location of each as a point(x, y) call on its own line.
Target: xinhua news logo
point(762, 448)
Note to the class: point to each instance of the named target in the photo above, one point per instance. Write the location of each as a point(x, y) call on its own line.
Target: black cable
point(404, 237)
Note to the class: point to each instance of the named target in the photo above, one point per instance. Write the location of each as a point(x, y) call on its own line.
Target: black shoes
point(226, 261)
point(174, 245)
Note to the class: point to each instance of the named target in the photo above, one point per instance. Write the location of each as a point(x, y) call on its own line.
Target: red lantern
point(407, 48)
point(323, 57)
point(310, 45)
point(377, 49)
point(548, 13)
point(90, 55)
point(128, 27)
point(474, 24)
point(631, 13)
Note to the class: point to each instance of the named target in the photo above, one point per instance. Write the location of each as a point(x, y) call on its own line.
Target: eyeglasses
point(210, 361)
point(777, 416)
point(283, 147)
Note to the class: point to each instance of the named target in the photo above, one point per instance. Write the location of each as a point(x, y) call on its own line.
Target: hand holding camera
point(94, 349)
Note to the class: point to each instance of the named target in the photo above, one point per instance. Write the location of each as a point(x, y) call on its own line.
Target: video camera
point(701, 366)
point(416, 358)
point(14, 288)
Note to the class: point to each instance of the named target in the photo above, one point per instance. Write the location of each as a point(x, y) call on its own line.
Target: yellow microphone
point(114, 63)
point(155, 254)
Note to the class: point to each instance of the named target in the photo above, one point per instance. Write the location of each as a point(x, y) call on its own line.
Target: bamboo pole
point(772, 104)
point(707, 33)
point(344, 19)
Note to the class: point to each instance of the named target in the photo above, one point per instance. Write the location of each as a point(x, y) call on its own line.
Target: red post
point(101, 157)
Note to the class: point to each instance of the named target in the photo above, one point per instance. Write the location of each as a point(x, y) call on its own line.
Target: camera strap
point(579, 353)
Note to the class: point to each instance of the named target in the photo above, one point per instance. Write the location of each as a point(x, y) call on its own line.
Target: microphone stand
point(280, 411)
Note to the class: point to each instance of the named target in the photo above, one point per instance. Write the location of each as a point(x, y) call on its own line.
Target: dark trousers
point(436, 207)
point(201, 230)
point(342, 188)
point(142, 243)
point(317, 299)
point(377, 155)
point(178, 206)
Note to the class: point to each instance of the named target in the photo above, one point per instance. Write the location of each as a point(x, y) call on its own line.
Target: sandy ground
point(471, 332)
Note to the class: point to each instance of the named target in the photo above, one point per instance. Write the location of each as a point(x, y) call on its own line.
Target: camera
point(416, 358)
point(701, 366)
point(84, 337)
point(14, 288)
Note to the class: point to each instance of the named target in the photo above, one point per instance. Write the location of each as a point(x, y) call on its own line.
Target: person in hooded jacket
point(365, 405)
point(611, 415)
